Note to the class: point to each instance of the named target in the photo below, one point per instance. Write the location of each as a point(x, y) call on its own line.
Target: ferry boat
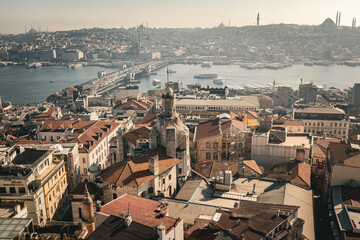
point(206, 64)
point(206, 75)
point(156, 82)
point(33, 65)
point(218, 81)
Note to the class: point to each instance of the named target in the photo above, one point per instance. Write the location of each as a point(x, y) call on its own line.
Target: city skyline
point(67, 15)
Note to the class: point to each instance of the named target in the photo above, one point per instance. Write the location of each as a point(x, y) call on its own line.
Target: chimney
point(161, 230)
point(228, 177)
point(241, 169)
point(154, 164)
point(98, 206)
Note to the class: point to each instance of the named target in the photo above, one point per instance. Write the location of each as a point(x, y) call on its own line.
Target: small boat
point(218, 81)
point(156, 82)
point(51, 81)
point(33, 65)
point(205, 75)
point(171, 71)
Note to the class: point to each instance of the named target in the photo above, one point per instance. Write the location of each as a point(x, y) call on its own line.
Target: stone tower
point(88, 216)
point(171, 133)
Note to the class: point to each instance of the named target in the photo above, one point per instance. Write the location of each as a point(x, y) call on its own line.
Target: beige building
point(38, 179)
point(323, 120)
point(243, 103)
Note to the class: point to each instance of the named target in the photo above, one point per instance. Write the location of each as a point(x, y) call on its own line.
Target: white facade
point(269, 154)
point(72, 55)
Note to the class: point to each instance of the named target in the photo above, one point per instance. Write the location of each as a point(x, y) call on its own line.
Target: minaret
point(258, 19)
point(88, 217)
point(337, 18)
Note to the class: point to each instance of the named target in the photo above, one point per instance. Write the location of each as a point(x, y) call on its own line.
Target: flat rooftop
point(321, 110)
point(29, 156)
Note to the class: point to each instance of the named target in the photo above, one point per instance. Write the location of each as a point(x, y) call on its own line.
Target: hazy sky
point(76, 14)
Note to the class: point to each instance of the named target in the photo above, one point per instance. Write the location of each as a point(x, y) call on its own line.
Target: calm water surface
point(21, 85)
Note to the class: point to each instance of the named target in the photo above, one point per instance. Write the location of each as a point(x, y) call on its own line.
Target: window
point(80, 212)
point(223, 156)
point(224, 145)
point(305, 124)
point(215, 156)
point(12, 190)
point(2, 190)
point(335, 131)
point(21, 190)
point(344, 124)
point(150, 190)
point(180, 171)
point(216, 145)
point(322, 124)
point(208, 156)
point(114, 196)
point(208, 145)
point(163, 181)
point(85, 170)
point(84, 161)
point(169, 176)
point(335, 124)
point(39, 201)
point(318, 124)
point(339, 124)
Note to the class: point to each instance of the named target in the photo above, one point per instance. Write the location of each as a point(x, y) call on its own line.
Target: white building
point(93, 138)
point(278, 146)
point(72, 55)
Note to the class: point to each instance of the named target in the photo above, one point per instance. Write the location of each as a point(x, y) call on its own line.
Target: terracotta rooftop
point(252, 220)
point(253, 166)
point(142, 210)
point(115, 228)
point(136, 172)
point(132, 104)
point(341, 153)
point(146, 121)
point(136, 134)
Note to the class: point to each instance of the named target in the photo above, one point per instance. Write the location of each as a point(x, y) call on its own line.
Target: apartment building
point(327, 120)
point(39, 180)
point(93, 139)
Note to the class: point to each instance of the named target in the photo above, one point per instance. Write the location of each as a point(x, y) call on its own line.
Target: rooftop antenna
point(167, 75)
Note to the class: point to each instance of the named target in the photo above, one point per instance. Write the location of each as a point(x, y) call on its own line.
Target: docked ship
point(156, 82)
point(206, 75)
point(206, 64)
point(33, 65)
point(75, 66)
point(218, 81)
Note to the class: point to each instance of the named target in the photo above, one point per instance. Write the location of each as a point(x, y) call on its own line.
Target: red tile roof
point(136, 134)
point(136, 172)
point(132, 104)
point(253, 166)
point(146, 121)
point(143, 211)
